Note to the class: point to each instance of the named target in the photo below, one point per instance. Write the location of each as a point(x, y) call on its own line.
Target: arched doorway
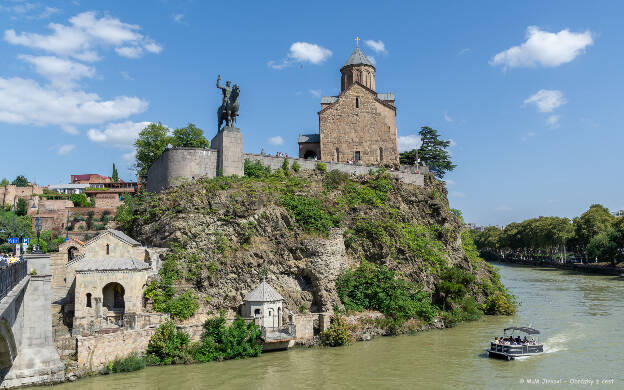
point(310, 154)
point(113, 297)
point(71, 253)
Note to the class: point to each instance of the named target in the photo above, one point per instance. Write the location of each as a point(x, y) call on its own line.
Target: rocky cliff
point(301, 230)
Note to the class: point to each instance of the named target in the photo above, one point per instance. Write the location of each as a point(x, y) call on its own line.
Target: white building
point(68, 188)
point(264, 304)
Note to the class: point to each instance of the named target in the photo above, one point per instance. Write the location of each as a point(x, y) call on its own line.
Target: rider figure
point(226, 90)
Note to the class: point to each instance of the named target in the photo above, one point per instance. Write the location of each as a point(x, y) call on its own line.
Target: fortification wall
point(179, 164)
point(406, 175)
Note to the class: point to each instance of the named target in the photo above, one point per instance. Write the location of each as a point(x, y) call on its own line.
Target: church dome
point(358, 58)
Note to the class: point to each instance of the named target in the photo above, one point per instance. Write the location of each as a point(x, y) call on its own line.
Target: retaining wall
point(179, 164)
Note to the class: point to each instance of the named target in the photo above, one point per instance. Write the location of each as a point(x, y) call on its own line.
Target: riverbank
point(595, 268)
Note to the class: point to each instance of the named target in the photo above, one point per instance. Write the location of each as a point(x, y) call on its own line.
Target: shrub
point(285, 165)
point(183, 306)
point(335, 179)
point(321, 167)
point(310, 213)
point(296, 166)
point(80, 200)
point(371, 287)
point(256, 169)
point(500, 303)
point(168, 345)
point(130, 363)
point(338, 333)
point(453, 284)
point(222, 342)
point(467, 310)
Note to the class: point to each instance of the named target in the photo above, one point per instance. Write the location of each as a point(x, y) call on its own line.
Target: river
point(581, 318)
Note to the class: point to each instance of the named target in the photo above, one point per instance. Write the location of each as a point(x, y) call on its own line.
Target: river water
point(581, 318)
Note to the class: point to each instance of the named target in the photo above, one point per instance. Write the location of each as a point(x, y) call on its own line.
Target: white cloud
point(130, 51)
point(302, 52)
point(129, 156)
point(126, 75)
point(120, 135)
point(24, 101)
point(65, 149)
point(277, 140)
point(315, 92)
point(543, 48)
point(30, 11)
point(377, 46)
point(409, 142)
point(70, 129)
point(177, 18)
point(553, 120)
point(85, 33)
point(463, 51)
point(546, 100)
point(308, 52)
point(62, 72)
point(447, 117)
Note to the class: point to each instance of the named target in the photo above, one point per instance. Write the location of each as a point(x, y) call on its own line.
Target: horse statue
point(228, 111)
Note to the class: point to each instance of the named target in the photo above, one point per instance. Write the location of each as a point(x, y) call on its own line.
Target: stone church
point(358, 125)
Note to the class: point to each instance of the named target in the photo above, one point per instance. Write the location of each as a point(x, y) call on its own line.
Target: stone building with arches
point(359, 124)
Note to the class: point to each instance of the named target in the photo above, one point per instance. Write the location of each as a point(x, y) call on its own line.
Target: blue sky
point(529, 92)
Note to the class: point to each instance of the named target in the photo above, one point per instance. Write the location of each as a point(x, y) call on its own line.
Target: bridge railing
point(11, 275)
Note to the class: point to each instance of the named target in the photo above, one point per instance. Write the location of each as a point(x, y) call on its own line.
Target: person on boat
point(525, 341)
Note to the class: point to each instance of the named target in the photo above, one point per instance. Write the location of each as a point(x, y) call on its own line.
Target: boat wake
point(556, 343)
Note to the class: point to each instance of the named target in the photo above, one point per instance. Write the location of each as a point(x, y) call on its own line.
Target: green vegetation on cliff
point(310, 231)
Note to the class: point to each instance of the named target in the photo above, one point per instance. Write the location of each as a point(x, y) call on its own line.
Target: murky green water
point(581, 318)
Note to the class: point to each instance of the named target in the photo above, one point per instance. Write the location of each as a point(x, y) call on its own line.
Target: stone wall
point(179, 164)
point(304, 326)
point(10, 192)
point(407, 174)
point(107, 200)
point(94, 352)
point(359, 122)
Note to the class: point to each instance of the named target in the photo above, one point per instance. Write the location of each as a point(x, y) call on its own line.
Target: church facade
point(358, 125)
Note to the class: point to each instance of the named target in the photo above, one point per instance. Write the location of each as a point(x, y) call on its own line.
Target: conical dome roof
point(358, 58)
point(264, 293)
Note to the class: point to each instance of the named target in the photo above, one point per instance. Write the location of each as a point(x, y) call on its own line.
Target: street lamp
point(38, 228)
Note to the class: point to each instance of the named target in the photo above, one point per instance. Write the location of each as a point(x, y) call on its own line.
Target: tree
point(115, 175)
point(432, 152)
point(22, 207)
point(4, 182)
point(592, 222)
point(150, 144)
point(190, 137)
point(20, 181)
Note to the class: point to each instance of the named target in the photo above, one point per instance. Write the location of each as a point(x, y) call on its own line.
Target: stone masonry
point(229, 145)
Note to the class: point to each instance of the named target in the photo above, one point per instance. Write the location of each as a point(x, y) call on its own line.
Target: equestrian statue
point(229, 106)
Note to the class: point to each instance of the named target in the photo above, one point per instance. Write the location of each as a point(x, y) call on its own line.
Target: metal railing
point(10, 276)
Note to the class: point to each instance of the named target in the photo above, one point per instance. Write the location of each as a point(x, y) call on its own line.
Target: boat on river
point(513, 346)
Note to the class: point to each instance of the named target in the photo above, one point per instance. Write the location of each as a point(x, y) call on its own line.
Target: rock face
point(226, 234)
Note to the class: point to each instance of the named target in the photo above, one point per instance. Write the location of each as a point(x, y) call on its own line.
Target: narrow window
point(380, 153)
point(357, 156)
point(357, 102)
point(257, 313)
point(107, 249)
point(88, 299)
point(337, 155)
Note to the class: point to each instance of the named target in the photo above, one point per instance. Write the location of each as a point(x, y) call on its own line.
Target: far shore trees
point(596, 235)
point(154, 138)
point(432, 152)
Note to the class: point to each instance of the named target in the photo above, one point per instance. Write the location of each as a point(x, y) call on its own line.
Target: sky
point(530, 93)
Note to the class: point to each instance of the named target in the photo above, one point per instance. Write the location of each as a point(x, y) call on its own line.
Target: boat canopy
point(524, 329)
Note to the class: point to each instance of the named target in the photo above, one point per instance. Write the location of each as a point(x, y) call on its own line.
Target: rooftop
point(264, 293)
point(386, 96)
point(118, 234)
point(328, 99)
point(358, 58)
point(305, 138)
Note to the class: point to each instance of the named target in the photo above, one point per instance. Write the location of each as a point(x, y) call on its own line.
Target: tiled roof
point(357, 58)
point(264, 293)
point(111, 264)
point(385, 96)
point(120, 235)
point(328, 99)
point(303, 138)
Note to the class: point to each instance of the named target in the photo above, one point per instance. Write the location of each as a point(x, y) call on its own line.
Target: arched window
point(113, 296)
point(337, 155)
point(107, 249)
point(88, 299)
point(257, 313)
point(380, 153)
point(357, 102)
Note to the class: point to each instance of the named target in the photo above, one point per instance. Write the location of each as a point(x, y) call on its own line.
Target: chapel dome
point(358, 58)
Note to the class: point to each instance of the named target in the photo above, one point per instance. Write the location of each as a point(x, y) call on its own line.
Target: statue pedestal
point(229, 145)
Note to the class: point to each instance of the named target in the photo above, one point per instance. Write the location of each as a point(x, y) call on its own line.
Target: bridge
point(28, 355)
